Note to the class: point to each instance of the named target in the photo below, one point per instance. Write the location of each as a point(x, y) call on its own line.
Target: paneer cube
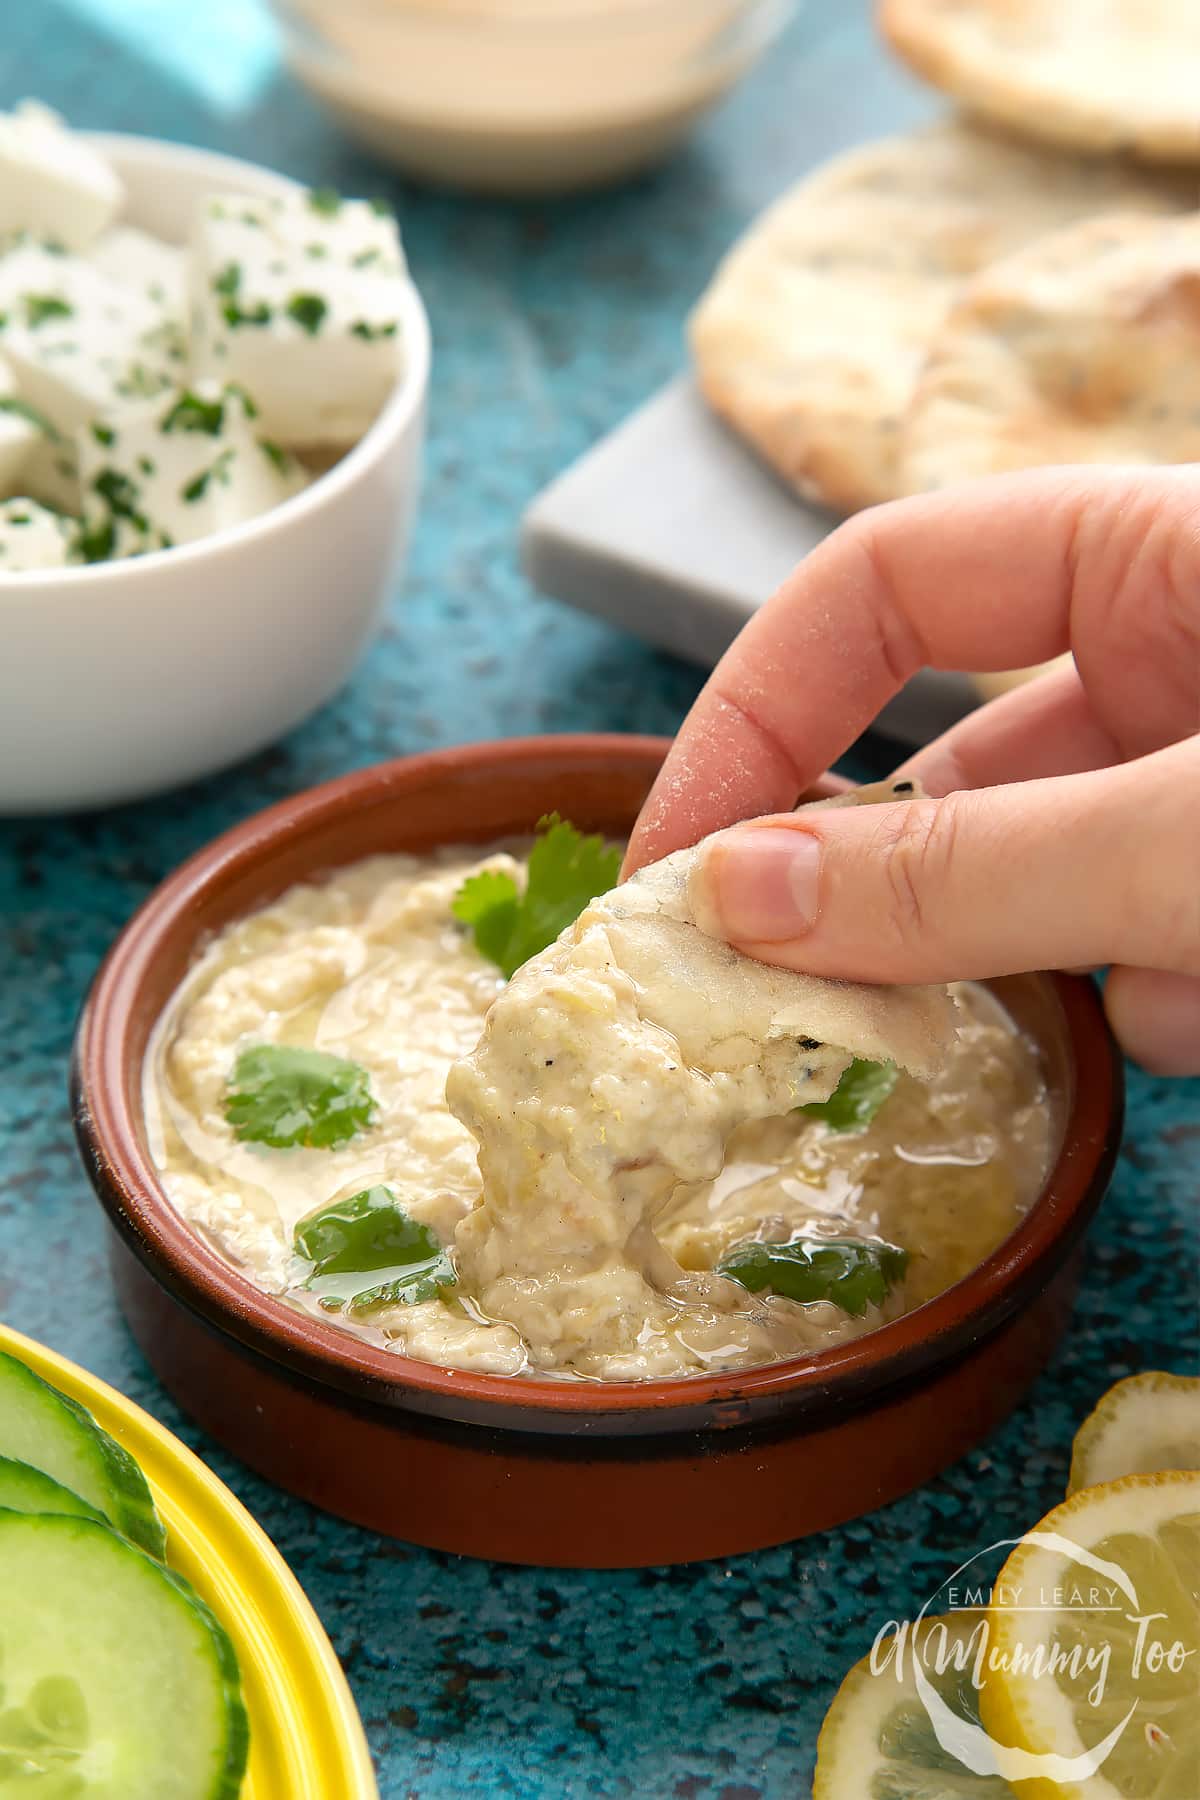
point(52, 184)
point(298, 298)
point(139, 260)
point(33, 537)
point(189, 465)
point(80, 346)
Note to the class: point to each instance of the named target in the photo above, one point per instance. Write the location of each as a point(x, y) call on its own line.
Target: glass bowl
point(523, 96)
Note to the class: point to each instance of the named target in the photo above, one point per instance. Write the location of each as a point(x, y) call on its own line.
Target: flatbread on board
point(1099, 75)
point(1082, 348)
point(812, 334)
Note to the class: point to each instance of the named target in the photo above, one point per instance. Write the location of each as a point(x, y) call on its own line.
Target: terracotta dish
point(584, 1474)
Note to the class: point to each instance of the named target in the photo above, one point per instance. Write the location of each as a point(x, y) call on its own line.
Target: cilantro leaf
point(282, 1096)
point(853, 1273)
point(40, 307)
point(192, 412)
point(325, 200)
point(856, 1099)
point(371, 1234)
point(308, 311)
point(565, 871)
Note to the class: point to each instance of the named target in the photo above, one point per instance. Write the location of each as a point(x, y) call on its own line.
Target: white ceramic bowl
point(121, 679)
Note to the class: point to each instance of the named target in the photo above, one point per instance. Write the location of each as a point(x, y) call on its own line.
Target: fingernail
point(758, 886)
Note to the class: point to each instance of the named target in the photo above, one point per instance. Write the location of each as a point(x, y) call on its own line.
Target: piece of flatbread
point(811, 337)
point(707, 994)
point(1098, 75)
point(1082, 348)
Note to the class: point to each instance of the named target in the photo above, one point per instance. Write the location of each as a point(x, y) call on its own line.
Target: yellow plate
point(306, 1738)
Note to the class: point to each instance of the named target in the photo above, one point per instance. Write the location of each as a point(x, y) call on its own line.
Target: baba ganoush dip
point(615, 1186)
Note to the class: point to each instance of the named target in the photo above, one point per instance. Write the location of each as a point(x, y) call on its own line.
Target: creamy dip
point(619, 1169)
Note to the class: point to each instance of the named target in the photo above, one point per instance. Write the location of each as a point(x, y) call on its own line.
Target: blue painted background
point(551, 322)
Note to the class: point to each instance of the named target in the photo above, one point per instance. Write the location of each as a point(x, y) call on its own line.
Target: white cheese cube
point(19, 433)
point(187, 466)
point(33, 537)
point(80, 346)
point(298, 299)
point(138, 259)
point(51, 182)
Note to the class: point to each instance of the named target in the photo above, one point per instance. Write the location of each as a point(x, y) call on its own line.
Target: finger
point(997, 574)
point(1094, 868)
point(1045, 728)
point(1156, 1017)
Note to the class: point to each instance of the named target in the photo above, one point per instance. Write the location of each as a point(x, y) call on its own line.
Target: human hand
point(1065, 824)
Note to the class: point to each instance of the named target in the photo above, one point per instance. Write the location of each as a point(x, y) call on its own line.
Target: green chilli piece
point(371, 1234)
point(53, 1433)
point(852, 1272)
point(287, 1097)
point(161, 1715)
point(858, 1096)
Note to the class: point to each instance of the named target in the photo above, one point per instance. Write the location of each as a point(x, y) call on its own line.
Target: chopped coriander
point(121, 495)
point(95, 543)
point(316, 251)
point(565, 871)
point(235, 315)
point(275, 455)
point(361, 329)
point(217, 471)
point(21, 409)
point(284, 1096)
point(191, 412)
point(856, 1099)
point(229, 280)
point(22, 518)
point(853, 1273)
point(371, 1234)
point(325, 200)
point(381, 207)
point(308, 311)
point(103, 434)
point(235, 391)
point(146, 466)
point(40, 307)
point(365, 258)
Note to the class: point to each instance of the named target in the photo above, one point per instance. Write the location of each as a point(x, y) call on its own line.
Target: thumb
point(1093, 868)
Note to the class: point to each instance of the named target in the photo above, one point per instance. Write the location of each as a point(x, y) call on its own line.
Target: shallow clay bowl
point(591, 1474)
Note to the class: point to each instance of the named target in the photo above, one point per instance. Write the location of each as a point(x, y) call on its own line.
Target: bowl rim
point(106, 1115)
point(390, 425)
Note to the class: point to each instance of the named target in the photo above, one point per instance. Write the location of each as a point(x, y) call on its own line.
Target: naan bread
point(708, 995)
point(1082, 348)
point(811, 337)
point(1092, 74)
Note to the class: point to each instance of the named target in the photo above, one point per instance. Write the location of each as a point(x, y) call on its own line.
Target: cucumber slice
point(118, 1682)
point(44, 1428)
point(25, 1489)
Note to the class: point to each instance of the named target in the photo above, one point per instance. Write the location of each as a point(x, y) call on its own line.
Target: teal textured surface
point(550, 323)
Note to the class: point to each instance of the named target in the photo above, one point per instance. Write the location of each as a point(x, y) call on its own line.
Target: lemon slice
point(1142, 1425)
point(877, 1741)
point(1094, 1646)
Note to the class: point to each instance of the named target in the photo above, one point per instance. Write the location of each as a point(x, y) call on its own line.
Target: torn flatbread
point(1092, 74)
point(1082, 348)
point(811, 337)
